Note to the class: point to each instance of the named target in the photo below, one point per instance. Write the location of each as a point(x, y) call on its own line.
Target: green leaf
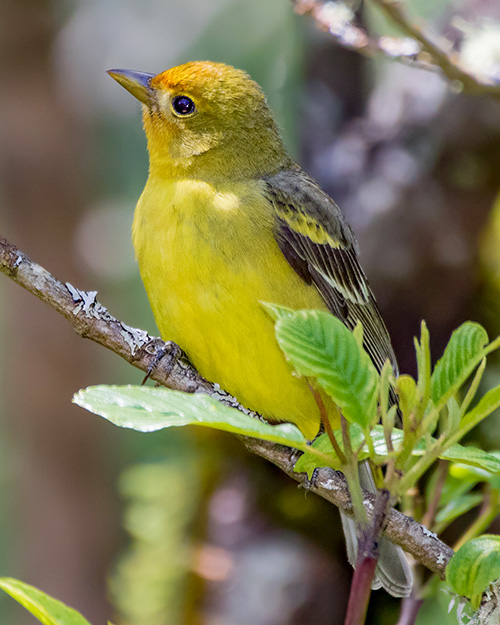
point(148, 409)
point(358, 333)
point(385, 377)
point(473, 456)
point(474, 385)
point(278, 312)
point(310, 461)
point(488, 403)
point(423, 354)
point(451, 420)
point(406, 388)
point(462, 354)
point(320, 346)
point(467, 473)
point(474, 567)
point(45, 608)
point(464, 473)
point(456, 507)
point(455, 487)
point(457, 453)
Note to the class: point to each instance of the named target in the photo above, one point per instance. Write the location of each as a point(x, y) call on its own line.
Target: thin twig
point(438, 49)
point(420, 49)
point(354, 37)
point(409, 610)
point(91, 320)
point(442, 472)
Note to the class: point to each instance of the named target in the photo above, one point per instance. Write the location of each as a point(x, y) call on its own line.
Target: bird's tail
point(393, 572)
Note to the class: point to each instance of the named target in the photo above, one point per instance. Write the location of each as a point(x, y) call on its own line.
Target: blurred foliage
point(149, 584)
point(489, 252)
point(415, 169)
point(429, 10)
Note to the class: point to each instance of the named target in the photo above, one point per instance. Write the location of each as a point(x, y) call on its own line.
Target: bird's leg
point(170, 349)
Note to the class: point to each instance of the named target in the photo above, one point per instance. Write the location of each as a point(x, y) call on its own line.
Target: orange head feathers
point(206, 120)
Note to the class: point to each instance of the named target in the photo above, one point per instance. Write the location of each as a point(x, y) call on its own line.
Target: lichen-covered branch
point(420, 48)
point(92, 320)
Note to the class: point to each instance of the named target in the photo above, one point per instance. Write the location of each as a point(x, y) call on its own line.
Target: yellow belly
point(207, 256)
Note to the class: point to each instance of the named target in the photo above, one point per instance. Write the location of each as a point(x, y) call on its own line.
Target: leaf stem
point(369, 443)
point(328, 426)
point(352, 476)
point(420, 467)
point(471, 393)
point(388, 425)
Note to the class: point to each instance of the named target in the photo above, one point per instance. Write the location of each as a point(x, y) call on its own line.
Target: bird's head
point(206, 120)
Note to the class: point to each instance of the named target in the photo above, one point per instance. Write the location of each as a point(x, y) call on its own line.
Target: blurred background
point(185, 527)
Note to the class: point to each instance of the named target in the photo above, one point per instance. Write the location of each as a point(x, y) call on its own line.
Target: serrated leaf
point(320, 346)
point(462, 354)
point(474, 567)
point(148, 409)
point(45, 608)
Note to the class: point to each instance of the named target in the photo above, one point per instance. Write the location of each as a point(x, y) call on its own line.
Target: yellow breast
point(208, 257)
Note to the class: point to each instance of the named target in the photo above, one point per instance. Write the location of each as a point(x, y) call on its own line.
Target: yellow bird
point(226, 221)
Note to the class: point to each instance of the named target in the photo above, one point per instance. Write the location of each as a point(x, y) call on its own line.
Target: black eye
point(183, 105)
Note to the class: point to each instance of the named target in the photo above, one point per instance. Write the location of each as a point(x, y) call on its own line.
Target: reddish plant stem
point(361, 587)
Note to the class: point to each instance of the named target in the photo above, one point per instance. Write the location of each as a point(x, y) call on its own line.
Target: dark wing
point(317, 241)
